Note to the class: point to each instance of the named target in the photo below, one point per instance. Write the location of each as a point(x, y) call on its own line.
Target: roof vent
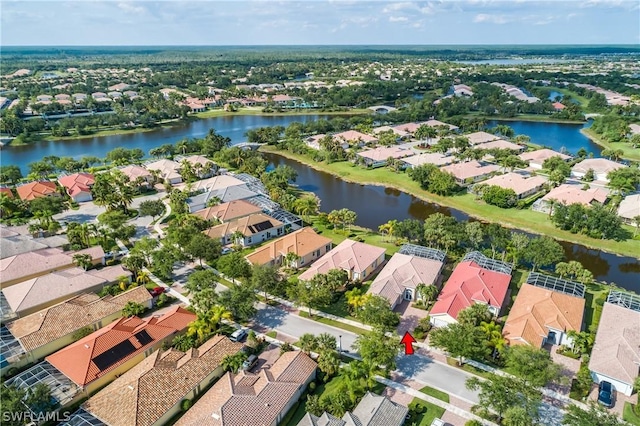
point(86, 346)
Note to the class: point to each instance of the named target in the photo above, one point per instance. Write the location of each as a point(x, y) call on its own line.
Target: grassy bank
point(526, 220)
point(526, 117)
point(258, 111)
point(629, 152)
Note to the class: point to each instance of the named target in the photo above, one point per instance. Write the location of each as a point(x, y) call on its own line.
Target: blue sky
point(268, 22)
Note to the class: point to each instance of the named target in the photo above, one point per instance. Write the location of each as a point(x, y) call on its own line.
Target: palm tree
point(636, 220)
point(182, 342)
point(291, 259)
point(494, 337)
point(563, 269)
point(388, 228)
point(329, 363)
point(182, 145)
point(307, 206)
point(238, 238)
point(208, 323)
point(143, 277)
point(428, 292)
point(233, 363)
point(582, 341)
point(308, 342)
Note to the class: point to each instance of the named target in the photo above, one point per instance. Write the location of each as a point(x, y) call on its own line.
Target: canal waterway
point(374, 205)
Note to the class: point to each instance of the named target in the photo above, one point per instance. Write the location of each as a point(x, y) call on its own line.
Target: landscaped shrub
point(186, 404)
point(312, 387)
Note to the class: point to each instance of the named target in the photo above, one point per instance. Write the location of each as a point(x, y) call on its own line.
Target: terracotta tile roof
point(57, 321)
point(538, 156)
point(559, 106)
point(598, 165)
point(436, 123)
point(246, 225)
point(214, 183)
point(348, 255)
point(197, 159)
point(141, 396)
point(469, 169)
point(246, 399)
point(228, 211)
point(355, 136)
point(404, 271)
point(7, 192)
point(33, 190)
point(76, 183)
point(429, 158)
point(537, 309)
point(398, 132)
point(93, 356)
point(55, 285)
point(518, 183)
point(168, 169)
point(480, 137)
point(382, 153)
point(500, 144)
point(133, 172)
point(468, 284)
point(616, 352)
point(40, 262)
point(301, 242)
point(572, 194)
point(408, 127)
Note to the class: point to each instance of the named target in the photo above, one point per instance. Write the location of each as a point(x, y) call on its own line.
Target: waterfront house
point(83, 367)
point(32, 190)
point(214, 183)
point(244, 398)
point(228, 211)
point(202, 166)
point(222, 195)
point(137, 173)
point(48, 330)
point(377, 157)
point(629, 209)
point(558, 106)
point(313, 142)
point(462, 90)
point(568, 194)
point(428, 158)
point(523, 186)
point(255, 228)
point(304, 243)
point(544, 311)
point(78, 186)
point(37, 293)
point(436, 124)
point(500, 144)
point(616, 352)
point(7, 192)
point(470, 172)
point(477, 138)
point(600, 166)
point(353, 137)
point(358, 259)
point(536, 158)
point(406, 270)
point(132, 399)
point(401, 134)
point(372, 410)
point(24, 266)
point(477, 279)
point(169, 170)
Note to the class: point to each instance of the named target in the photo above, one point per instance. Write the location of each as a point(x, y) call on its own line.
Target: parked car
point(227, 250)
point(238, 335)
point(157, 291)
point(249, 363)
point(605, 394)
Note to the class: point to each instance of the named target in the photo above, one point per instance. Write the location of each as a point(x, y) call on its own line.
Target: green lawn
point(422, 412)
point(258, 111)
point(442, 396)
point(629, 152)
point(526, 220)
point(629, 415)
point(333, 323)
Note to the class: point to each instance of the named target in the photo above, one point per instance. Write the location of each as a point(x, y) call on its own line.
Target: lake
point(517, 61)
point(376, 205)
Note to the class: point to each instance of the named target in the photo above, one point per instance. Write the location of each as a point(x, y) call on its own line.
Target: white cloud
point(398, 19)
point(129, 7)
point(490, 19)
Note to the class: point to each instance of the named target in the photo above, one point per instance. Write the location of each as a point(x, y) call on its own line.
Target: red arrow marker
point(407, 341)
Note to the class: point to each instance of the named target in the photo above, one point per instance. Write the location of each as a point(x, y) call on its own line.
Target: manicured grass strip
point(333, 323)
point(423, 413)
point(628, 415)
point(629, 152)
point(272, 334)
point(526, 220)
point(442, 396)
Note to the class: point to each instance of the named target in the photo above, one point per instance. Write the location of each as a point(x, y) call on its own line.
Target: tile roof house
point(203, 167)
point(470, 283)
point(50, 329)
point(97, 359)
point(313, 141)
point(629, 209)
point(168, 169)
point(500, 144)
point(540, 315)
point(222, 195)
point(305, 243)
point(402, 274)
point(372, 410)
point(600, 166)
point(135, 172)
point(228, 211)
point(13, 243)
point(399, 133)
point(255, 229)
point(134, 399)
point(558, 106)
point(243, 399)
point(21, 267)
point(470, 172)
point(436, 123)
point(358, 259)
point(616, 353)
point(37, 293)
point(634, 128)
point(78, 186)
point(353, 137)
point(32, 190)
point(214, 183)
point(480, 137)
point(7, 191)
point(408, 127)
point(536, 158)
point(377, 157)
point(523, 186)
point(571, 194)
point(428, 158)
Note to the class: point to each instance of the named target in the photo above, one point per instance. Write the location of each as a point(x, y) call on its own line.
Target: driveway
point(409, 316)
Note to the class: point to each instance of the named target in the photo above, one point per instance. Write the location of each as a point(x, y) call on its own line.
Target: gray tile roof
point(375, 410)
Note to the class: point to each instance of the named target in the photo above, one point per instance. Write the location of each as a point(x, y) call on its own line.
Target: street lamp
point(340, 343)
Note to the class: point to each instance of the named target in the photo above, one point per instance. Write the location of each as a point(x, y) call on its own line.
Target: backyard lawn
point(422, 413)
